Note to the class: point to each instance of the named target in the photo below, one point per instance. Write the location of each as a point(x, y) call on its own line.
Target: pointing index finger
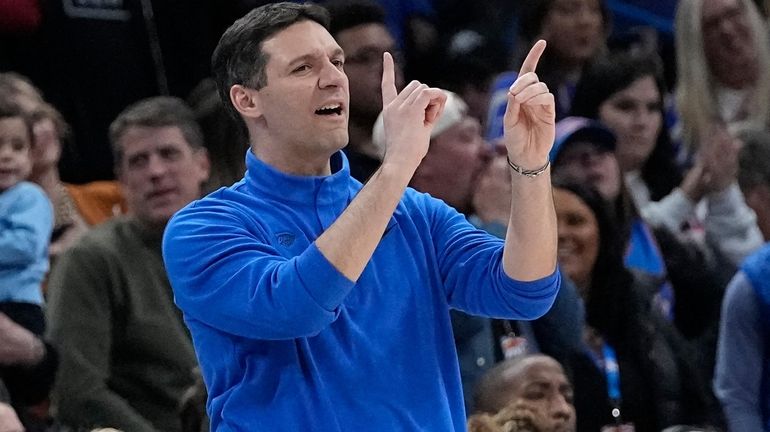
point(530, 63)
point(388, 79)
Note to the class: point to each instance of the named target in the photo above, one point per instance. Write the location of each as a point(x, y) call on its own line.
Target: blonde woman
point(723, 61)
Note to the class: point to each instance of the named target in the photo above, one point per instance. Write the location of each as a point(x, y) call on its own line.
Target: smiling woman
point(632, 354)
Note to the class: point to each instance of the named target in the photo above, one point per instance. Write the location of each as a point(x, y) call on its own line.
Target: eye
point(654, 106)
point(624, 105)
point(569, 396)
point(301, 68)
point(534, 395)
point(18, 145)
point(138, 161)
point(575, 220)
point(170, 153)
point(338, 63)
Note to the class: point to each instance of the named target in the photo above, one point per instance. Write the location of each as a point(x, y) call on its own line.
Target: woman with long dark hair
point(635, 367)
point(626, 93)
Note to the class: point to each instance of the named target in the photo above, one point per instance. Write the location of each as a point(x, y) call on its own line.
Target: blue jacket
point(26, 223)
point(287, 343)
point(757, 270)
point(742, 372)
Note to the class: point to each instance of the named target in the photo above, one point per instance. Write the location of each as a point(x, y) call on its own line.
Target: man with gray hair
point(126, 357)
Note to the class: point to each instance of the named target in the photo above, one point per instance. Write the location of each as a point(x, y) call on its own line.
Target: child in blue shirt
point(26, 222)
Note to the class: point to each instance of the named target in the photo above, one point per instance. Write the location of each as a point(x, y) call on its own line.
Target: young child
point(26, 222)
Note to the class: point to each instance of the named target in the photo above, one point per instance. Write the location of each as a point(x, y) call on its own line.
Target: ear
point(246, 101)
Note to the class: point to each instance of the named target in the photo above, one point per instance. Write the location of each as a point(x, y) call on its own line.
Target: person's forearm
point(530, 243)
point(350, 241)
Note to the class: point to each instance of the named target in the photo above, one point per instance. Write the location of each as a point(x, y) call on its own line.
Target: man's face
point(574, 30)
point(727, 40)
point(454, 160)
point(159, 172)
point(541, 385)
point(590, 164)
point(15, 158)
point(364, 46)
point(304, 105)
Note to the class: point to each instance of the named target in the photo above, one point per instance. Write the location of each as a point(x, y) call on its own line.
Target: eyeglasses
point(371, 57)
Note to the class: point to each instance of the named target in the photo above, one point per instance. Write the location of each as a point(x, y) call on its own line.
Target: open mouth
point(327, 110)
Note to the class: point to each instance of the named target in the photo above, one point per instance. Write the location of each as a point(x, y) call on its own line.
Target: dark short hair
point(346, 14)
point(534, 12)
point(155, 112)
point(754, 159)
point(10, 109)
point(239, 59)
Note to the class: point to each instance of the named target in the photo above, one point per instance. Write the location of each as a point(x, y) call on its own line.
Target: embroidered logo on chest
point(286, 238)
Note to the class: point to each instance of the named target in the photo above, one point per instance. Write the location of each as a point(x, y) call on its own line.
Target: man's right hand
point(408, 118)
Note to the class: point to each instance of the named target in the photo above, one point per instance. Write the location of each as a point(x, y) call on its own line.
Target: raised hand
point(408, 117)
point(530, 117)
point(720, 156)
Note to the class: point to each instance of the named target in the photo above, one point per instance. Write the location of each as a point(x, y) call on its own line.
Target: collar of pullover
point(265, 180)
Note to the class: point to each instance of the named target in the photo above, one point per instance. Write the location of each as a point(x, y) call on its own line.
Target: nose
point(156, 167)
point(5, 151)
point(590, 159)
point(561, 409)
point(332, 76)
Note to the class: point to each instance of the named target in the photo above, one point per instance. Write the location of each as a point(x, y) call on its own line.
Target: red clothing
point(19, 16)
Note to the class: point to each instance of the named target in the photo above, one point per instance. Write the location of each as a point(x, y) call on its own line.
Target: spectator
point(528, 393)
point(625, 92)
point(224, 135)
point(26, 220)
point(723, 62)
point(744, 329)
point(576, 32)
point(584, 153)
point(359, 28)
point(126, 355)
point(76, 207)
point(635, 367)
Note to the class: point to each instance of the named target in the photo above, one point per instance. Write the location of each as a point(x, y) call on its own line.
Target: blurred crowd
point(110, 123)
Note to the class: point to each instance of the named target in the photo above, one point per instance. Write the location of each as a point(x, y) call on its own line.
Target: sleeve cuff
point(323, 282)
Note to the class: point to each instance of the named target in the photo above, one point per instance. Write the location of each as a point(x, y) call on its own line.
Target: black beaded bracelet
point(528, 173)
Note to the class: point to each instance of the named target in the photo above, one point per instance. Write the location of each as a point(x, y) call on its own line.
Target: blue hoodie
point(287, 343)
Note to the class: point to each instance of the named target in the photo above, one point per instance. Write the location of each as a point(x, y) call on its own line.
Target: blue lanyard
point(612, 373)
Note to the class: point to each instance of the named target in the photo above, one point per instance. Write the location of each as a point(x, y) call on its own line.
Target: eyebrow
point(546, 384)
point(315, 54)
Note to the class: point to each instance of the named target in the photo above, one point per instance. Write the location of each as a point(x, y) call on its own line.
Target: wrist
point(400, 171)
point(36, 351)
point(529, 172)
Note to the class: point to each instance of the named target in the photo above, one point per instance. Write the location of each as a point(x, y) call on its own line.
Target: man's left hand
point(530, 116)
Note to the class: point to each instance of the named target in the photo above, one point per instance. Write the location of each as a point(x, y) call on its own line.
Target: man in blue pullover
point(316, 303)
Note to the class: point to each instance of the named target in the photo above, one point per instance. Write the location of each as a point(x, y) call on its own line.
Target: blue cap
point(572, 129)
